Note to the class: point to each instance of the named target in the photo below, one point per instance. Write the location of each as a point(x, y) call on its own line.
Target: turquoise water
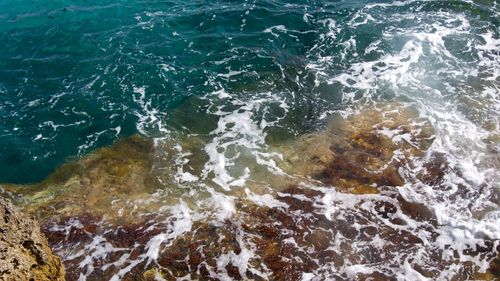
point(243, 102)
point(68, 68)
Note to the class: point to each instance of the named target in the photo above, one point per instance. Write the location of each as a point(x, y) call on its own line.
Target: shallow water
point(256, 140)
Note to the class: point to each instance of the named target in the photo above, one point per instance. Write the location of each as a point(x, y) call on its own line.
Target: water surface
point(337, 140)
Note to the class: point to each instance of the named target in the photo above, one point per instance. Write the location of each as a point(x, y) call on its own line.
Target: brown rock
point(495, 267)
point(417, 211)
point(24, 251)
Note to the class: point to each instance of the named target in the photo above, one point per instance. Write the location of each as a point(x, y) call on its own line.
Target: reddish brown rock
point(363, 152)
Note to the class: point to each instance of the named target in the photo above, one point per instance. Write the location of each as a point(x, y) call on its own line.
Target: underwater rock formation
point(364, 151)
point(110, 174)
point(24, 251)
point(120, 213)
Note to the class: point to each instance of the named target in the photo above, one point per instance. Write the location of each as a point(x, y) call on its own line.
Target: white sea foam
point(416, 64)
point(183, 176)
point(280, 28)
point(407, 73)
point(240, 138)
point(151, 120)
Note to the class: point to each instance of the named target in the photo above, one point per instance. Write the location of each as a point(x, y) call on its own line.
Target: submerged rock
point(120, 173)
point(24, 251)
point(121, 212)
point(362, 152)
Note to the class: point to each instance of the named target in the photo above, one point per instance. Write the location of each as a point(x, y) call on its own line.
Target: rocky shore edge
point(103, 212)
point(24, 251)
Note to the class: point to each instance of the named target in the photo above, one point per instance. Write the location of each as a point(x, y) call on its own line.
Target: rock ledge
point(24, 251)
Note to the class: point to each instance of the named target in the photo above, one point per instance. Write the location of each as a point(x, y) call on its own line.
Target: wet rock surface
point(24, 251)
point(276, 243)
point(338, 212)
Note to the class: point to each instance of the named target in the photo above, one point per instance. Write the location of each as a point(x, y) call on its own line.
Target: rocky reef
point(24, 251)
point(110, 174)
point(267, 243)
point(364, 151)
point(119, 212)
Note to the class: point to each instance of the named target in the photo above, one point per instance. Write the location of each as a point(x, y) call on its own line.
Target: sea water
point(274, 140)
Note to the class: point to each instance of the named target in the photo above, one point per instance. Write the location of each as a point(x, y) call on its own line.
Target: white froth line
point(281, 28)
point(266, 200)
point(238, 131)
